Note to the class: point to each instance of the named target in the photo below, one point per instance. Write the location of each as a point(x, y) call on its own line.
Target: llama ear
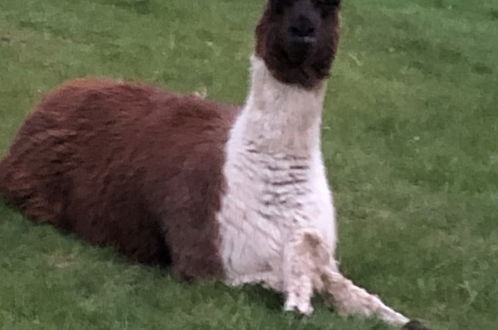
point(272, 4)
point(276, 6)
point(334, 3)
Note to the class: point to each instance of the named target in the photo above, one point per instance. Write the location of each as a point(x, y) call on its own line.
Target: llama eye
point(278, 6)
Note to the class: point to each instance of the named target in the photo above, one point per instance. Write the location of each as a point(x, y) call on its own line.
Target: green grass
point(410, 139)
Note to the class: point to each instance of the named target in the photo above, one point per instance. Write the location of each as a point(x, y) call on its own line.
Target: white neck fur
point(275, 178)
point(279, 118)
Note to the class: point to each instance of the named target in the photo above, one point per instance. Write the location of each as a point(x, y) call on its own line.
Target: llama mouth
point(298, 53)
point(304, 40)
point(301, 44)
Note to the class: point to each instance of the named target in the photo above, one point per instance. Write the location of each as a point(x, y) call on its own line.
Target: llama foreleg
point(350, 299)
point(311, 266)
point(300, 271)
point(299, 291)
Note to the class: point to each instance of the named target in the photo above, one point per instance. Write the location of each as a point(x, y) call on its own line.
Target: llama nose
point(303, 32)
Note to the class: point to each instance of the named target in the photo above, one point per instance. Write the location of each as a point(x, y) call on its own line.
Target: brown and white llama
point(217, 191)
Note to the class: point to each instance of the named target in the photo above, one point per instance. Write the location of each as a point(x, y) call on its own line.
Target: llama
point(237, 194)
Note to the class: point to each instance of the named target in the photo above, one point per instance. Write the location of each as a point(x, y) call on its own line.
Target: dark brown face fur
point(298, 39)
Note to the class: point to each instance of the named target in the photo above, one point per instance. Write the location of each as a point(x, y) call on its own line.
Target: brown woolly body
point(125, 165)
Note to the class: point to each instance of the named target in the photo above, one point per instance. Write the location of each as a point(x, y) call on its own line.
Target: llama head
point(298, 39)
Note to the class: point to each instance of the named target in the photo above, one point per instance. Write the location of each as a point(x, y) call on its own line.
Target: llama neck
point(280, 118)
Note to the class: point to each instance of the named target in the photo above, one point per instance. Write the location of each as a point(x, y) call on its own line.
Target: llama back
point(33, 175)
point(115, 163)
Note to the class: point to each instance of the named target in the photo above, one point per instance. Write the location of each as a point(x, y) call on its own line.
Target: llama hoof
point(305, 309)
point(415, 325)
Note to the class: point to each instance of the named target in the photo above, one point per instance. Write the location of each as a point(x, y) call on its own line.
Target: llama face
point(298, 39)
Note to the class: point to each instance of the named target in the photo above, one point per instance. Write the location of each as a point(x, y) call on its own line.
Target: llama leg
point(315, 261)
point(350, 299)
point(301, 262)
point(299, 291)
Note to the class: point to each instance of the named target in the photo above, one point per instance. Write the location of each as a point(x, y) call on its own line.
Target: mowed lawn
point(410, 140)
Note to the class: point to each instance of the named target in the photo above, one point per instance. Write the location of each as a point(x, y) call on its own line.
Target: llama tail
point(350, 299)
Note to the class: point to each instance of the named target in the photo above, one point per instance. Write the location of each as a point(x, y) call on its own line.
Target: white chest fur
point(276, 182)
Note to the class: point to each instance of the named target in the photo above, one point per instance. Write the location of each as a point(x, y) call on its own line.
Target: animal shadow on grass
point(257, 296)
